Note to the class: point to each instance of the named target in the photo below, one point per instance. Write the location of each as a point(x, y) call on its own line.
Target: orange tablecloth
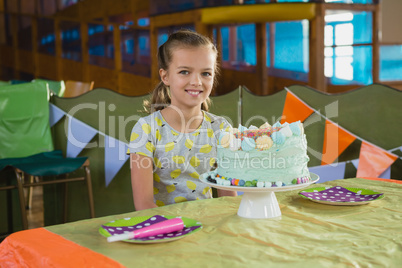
point(42, 248)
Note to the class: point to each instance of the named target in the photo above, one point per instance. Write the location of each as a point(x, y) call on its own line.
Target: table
point(308, 234)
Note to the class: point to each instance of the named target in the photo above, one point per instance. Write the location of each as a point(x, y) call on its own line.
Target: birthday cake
point(268, 156)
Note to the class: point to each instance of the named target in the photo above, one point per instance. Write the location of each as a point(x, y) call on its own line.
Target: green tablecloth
point(307, 235)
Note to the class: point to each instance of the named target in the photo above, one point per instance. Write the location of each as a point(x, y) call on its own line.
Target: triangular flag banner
point(55, 114)
point(386, 174)
point(336, 140)
point(329, 172)
point(355, 163)
point(295, 109)
point(79, 135)
point(115, 157)
point(373, 161)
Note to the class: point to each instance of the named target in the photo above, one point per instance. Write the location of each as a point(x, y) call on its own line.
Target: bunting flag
point(79, 135)
point(336, 140)
point(373, 161)
point(355, 163)
point(55, 114)
point(295, 109)
point(115, 157)
point(329, 172)
point(386, 174)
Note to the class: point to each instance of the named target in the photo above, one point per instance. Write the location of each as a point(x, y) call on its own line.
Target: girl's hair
point(160, 96)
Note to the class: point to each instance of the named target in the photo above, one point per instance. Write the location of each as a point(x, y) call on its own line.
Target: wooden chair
point(26, 144)
point(76, 88)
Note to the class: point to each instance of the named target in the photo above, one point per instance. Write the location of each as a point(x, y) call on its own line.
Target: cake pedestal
point(261, 203)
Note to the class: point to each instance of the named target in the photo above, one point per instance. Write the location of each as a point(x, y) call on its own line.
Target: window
point(291, 46)
point(239, 46)
point(348, 47)
point(391, 62)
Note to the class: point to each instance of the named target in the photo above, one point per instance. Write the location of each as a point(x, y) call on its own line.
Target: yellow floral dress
point(178, 158)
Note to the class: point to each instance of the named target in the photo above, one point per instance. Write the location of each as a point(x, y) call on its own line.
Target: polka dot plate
point(130, 224)
point(340, 196)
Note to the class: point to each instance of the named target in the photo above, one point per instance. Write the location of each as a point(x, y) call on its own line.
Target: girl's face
point(190, 76)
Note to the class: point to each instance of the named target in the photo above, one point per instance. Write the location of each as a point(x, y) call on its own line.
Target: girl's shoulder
point(155, 116)
point(214, 119)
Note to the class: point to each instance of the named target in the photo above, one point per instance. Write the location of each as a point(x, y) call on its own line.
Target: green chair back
point(24, 120)
point(57, 87)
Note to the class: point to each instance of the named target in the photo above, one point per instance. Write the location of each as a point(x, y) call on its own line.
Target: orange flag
point(336, 140)
point(295, 109)
point(373, 161)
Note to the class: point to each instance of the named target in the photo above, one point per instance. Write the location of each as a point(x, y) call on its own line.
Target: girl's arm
point(142, 181)
point(226, 193)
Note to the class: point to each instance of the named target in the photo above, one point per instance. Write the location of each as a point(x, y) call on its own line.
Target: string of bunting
point(373, 160)
point(79, 135)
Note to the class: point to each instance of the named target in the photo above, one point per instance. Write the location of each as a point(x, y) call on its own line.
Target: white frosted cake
point(264, 157)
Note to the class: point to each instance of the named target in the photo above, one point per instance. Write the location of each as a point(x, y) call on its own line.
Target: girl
point(170, 148)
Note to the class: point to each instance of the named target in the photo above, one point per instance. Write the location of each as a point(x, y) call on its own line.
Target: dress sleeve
point(141, 141)
point(223, 124)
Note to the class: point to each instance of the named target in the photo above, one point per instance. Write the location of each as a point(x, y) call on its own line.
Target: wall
point(391, 21)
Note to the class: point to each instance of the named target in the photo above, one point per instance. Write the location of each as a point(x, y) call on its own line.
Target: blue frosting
point(241, 128)
point(247, 144)
point(277, 124)
point(295, 128)
point(278, 137)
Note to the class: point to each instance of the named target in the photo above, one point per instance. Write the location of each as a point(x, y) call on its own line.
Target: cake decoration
point(295, 128)
point(268, 156)
point(265, 125)
point(247, 144)
point(264, 142)
point(278, 138)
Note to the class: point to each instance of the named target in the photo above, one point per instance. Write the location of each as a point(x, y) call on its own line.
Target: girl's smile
point(193, 92)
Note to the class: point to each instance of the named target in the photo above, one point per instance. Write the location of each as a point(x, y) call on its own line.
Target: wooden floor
point(35, 213)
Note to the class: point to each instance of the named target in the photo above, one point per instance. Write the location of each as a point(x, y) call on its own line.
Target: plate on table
point(339, 196)
point(130, 224)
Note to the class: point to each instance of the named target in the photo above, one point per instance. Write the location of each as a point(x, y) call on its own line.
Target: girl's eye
point(206, 74)
point(183, 72)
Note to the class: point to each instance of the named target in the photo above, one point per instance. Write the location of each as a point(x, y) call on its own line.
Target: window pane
point(344, 34)
point(71, 40)
point(25, 33)
point(46, 37)
point(354, 69)
point(225, 43)
point(100, 45)
point(350, 28)
point(344, 51)
point(291, 46)
point(268, 45)
point(391, 63)
point(329, 68)
point(363, 25)
point(246, 49)
point(328, 35)
point(135, 51)
point(350, 1)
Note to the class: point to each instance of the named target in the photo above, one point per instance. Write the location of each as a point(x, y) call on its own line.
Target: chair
point(76, 88)
point(57, 87)
point(26, 143)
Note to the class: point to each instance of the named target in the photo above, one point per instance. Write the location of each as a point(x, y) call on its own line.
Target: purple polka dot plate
point(340, 196)
point(125, 225)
